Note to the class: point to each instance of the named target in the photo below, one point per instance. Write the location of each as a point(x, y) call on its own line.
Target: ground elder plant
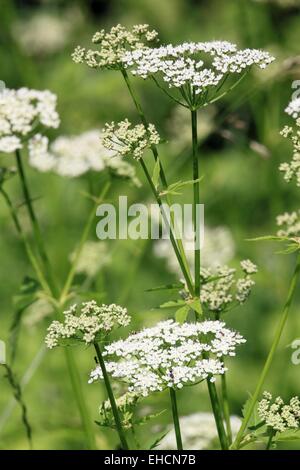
point(193, 344)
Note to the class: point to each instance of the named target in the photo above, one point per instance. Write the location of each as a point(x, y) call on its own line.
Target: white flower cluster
point(291, 169)
point(92, 322)
point(222, 289)
point(170, 355)
point(74, 156)
point(278, 415)
point(21, 111)
point(126, 140)
point(293, 108)
point(113, 45)
point(289, 224)
point(198, 65)
point(198, 432)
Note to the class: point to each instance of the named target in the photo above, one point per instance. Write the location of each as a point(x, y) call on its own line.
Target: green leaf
point(182, 313)
point(269, 238)
point(172, 304)
point(174, 187)
point(166, 287)
point(156, 173)
point(147, 418)
point(157, 441)
point(255, 419)
point(195, 305)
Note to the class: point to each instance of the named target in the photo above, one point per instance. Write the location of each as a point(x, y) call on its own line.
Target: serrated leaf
point(156, 173)
point(255, 419)
point(182, 313)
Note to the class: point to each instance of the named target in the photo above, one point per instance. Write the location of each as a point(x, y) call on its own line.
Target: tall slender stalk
point(217, 414)
point(271, 354)
point(225, 405)
point(112, 400)
point(172, 239)
point(196, 202)
point(163, 178)
point(35, 225)
point(176, 419)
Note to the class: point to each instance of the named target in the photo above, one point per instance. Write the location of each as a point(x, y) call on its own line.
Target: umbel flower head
point(74, 156)
point(291, 170)
point(223, 289)
point(196, 69)
point(112, 46)
point(125, 140)
point(21, 111)
point(278, 415)
point(170, 355)
point(87, 323)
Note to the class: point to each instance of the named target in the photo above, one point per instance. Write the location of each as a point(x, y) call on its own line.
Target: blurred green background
point(242, 190)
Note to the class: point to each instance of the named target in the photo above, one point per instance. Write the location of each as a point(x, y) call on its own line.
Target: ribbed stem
point(271, 354)
point(176, 419)
point(112, 400)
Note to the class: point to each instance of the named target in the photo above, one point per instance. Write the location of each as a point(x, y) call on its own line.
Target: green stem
point(34, 222)
point(163, 178)
point(217, 414)
point(172, 239)
point(176, 419)
point(271, 354)
point(269, 443)
point(196, 202)
point(226, 409)
point(111, 399)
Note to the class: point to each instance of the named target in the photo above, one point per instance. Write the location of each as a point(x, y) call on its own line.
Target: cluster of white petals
point(126, 140)
point(223, 289)
point(21, 111)
point(87, 323)
point(170, 355)
point(289, 224)
point(291, 170)
point(278, 415)
point(113, 44)
point(199, 65)
point(74, 156)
